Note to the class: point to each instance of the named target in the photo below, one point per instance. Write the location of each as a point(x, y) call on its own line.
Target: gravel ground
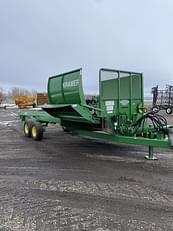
point(67, 182)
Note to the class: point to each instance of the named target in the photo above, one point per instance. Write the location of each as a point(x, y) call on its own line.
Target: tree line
point(13, 92)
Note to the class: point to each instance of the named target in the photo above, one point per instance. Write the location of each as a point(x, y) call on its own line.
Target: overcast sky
point(39, 38)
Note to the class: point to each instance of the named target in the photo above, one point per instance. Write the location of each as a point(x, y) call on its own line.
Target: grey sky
point(39, 38)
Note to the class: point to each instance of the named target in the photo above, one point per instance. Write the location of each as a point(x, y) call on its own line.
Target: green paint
point(117, 114)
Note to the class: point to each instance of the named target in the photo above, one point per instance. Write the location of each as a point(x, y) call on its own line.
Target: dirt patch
point(70, 183)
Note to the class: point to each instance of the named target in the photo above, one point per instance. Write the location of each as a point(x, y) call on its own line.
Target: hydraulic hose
point(159, 122)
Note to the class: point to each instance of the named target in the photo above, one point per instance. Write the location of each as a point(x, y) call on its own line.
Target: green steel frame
point(120, 105)
point(39, 116)
point(151, 143)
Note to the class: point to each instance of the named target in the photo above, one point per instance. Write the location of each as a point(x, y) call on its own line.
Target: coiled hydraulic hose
point(159, 122)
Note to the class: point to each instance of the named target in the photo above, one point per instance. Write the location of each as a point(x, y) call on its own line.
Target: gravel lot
point(66, 182)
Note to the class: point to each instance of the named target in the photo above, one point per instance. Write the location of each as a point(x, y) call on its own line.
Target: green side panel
point(128, 85)
point(66, 88)
point(124, 88)
point(109, 89)
point(121, 92)
point(137, 86)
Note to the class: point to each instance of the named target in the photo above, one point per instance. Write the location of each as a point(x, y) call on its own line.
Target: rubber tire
point(155, 109)
point(38, 129)
point(28, 123)
point(168, 110)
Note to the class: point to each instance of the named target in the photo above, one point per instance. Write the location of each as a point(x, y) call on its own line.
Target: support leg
point(150, 154)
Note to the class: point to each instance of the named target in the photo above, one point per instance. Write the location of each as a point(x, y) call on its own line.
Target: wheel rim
point(155, 109)
point(34, 132)
point(168, 110)
point(26, 129)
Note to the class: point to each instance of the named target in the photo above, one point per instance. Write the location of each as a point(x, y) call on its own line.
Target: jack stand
point(150, 154)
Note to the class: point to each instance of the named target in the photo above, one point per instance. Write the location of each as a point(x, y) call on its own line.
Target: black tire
point(27, 125)
point(169, 110)
point(37, 131)
point(155, 109)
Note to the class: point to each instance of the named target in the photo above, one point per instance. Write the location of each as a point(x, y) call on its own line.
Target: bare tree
point(34, 92)
point(1, 95)
point(16, 91)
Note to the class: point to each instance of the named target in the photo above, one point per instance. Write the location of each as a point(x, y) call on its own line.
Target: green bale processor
point(116, 114)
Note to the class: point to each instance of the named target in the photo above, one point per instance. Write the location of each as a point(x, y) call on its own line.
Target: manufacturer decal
point(109, 106)
point(72, 83)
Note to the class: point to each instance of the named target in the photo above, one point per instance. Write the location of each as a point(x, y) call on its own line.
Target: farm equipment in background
point(23, 101)
point(41, 98)
point(116, 114)
point(163, 99)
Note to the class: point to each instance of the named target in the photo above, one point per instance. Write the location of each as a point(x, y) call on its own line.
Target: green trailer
point(116, 114)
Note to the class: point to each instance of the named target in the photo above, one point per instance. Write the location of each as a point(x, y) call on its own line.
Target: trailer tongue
point(117, 114)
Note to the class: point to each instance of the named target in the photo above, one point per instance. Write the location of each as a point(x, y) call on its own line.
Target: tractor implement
point(116, 114)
